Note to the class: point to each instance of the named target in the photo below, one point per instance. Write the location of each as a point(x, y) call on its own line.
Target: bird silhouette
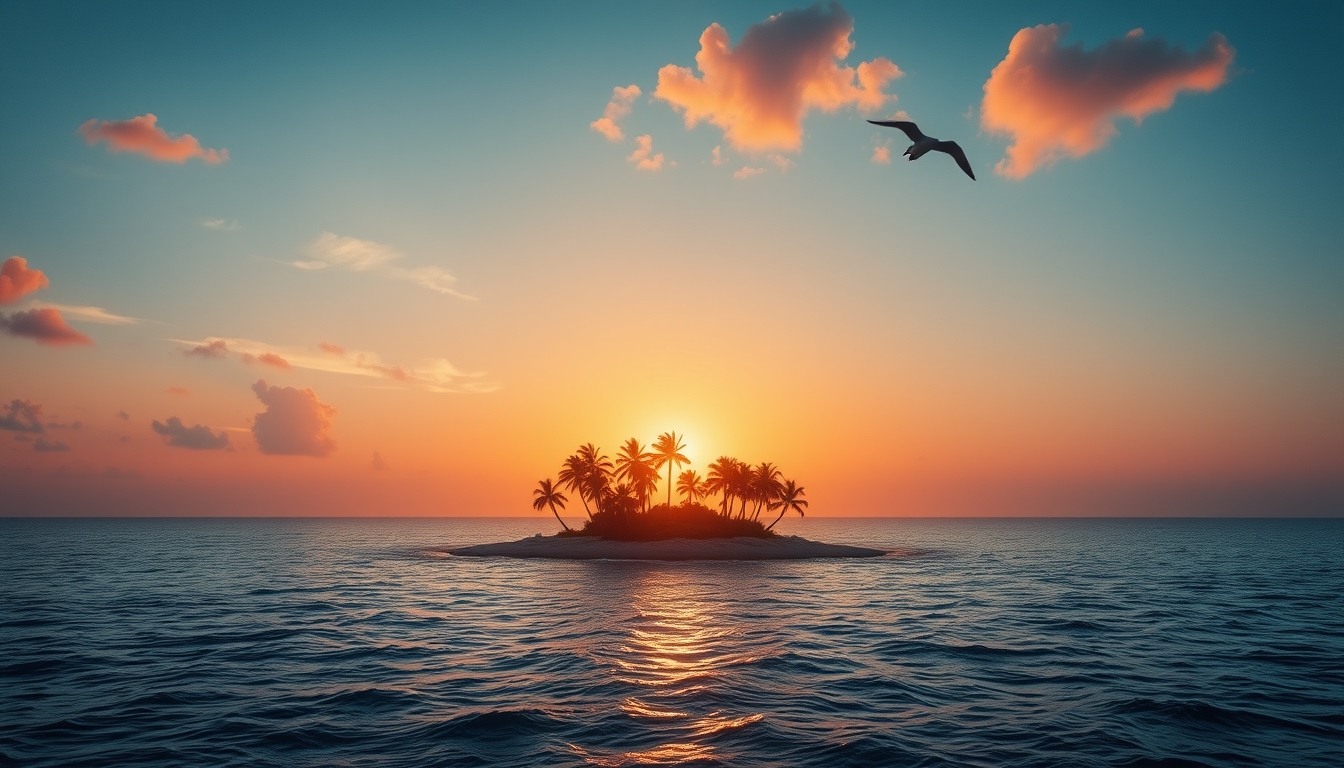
point(923, 144)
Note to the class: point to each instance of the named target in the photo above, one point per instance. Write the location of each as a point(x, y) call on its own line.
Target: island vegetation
point(618, 495)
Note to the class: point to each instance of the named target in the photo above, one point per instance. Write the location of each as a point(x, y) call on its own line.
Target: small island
point(623, 523)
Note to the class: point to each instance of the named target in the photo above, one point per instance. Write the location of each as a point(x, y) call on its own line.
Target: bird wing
point(953, 149)
point(909, 128)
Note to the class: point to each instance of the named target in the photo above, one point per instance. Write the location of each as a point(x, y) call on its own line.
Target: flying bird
point(924, 143)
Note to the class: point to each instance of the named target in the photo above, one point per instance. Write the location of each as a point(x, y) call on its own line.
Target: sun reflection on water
point(677, 651)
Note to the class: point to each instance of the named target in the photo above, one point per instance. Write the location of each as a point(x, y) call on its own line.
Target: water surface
point(979, 642)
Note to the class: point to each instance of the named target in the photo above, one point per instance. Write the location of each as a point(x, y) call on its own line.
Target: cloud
point(182, 391)
point(332, 251)
point(378, 464)
point(214, 349)
point(124, 416)
point(882, 153)
point(142, 136)
point(1055, 101)
point(295, 422)
point(266, 358)
point(221, 224)
point(609, 123)
point(716, 157)
point(197, 438)
point(22, 416)
point(784, 67)
point(17, 280)
point(46, 326)
point(641, 156)
point(433, 374)
point(49, 446)
point(746, 172)
point(88, 314)
point(782, 162)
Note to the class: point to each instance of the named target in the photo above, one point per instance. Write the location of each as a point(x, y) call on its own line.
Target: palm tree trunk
point(557, 516)
point(782, 510)
point(669, 485)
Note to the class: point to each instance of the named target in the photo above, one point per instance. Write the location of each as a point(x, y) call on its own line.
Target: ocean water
point(976, 643)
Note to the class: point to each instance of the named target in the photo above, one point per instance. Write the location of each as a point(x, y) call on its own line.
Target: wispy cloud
point(332, 251)
point(746, 172)
point(88, 314)
point(220, 224)
point(609, 124)
point(432, 374)
point(143, 136)
point(196, 438)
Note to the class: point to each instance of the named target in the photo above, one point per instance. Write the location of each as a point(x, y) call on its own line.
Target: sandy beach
point(594, 548)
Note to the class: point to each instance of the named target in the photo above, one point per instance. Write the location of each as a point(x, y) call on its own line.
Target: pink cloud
point(17, 280)
point(22, 416)
point(266, 358)
point(180, 391)
point(197, 438)
point(214, 349)
point(882, 153)
point(1056, 101)
point(332, 349)
point(643, 158)
point(142, 136)
point(784, 67)
point(609, 123)
point(45, 326)
point(746, 172)
point(295, 422)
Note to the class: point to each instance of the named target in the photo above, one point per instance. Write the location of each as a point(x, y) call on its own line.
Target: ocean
point(340, 642)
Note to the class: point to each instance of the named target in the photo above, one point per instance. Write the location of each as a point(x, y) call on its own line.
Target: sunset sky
point(352, 259)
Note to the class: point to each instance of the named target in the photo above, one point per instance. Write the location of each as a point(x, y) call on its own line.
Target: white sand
point(594, 548)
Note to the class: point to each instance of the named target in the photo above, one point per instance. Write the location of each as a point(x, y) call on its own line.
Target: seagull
point(925, 143)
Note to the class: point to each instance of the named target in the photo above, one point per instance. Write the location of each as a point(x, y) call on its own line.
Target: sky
point(401, 259)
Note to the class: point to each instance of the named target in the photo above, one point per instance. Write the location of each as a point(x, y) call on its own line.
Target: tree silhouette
point(691, 486)
point(790, 498)
point(668, 450)
point(636, 467)
point(547, 495)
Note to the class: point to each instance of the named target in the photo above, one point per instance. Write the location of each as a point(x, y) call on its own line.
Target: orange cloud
point(759, 91)
point(643, 158)
point(266, 358)
point(17, 280)
point(182, 391)
point(609, 123)
point(142, 136)
point(746, 172)
point(45, 326)
point(295, 422)
point(332, 349)
point(1056, 101)
point(882, 153)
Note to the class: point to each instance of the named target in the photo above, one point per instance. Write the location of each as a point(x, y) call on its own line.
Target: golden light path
point(676, 648)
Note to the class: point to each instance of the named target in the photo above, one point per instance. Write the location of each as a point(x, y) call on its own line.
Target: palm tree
point(573, 475)
point(636, 466)
point(790, 498)
point(691, 486)
point(765, 485)
point(549, 496)
point(668, 450)
point(721, 472)
point(597, 469)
